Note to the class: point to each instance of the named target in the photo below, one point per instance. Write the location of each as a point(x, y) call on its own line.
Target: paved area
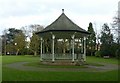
point(88, 68)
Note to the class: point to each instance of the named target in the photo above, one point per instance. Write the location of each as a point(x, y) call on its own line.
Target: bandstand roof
point(63, 25)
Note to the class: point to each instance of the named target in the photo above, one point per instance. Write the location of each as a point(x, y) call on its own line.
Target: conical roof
point(63, 23)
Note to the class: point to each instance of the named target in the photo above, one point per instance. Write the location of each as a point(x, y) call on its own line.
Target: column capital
point(84, 38)
point(53, 36)
point(41, 38)
point(73, 36)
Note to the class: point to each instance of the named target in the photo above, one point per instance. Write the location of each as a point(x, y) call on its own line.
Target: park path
point(106, 67)
point(88, 68)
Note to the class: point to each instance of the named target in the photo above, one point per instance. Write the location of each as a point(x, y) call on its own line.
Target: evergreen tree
point(106, 40)
point(34, 44)
point(35, 39)
point(91, 40)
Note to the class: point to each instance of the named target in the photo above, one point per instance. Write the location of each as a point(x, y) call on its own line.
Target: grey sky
point(18, 13)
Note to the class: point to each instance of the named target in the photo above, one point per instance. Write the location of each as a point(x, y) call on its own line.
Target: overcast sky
point(18, 13)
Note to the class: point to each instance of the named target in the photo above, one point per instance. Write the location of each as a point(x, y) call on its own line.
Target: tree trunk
point(47, 49)
point(35, 53)
point(17, 52)
point(64, 50)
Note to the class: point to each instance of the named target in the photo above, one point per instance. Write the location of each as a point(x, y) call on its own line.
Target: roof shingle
point(63, 23)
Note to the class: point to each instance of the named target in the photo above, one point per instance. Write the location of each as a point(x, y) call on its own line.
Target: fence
point(61, 56)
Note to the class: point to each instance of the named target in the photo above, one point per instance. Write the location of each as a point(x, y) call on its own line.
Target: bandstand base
point(62, 62)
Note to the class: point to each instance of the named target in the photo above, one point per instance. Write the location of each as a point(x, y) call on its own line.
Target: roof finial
point(62, 10)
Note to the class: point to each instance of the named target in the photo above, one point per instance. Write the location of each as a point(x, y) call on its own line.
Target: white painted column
point(53, 57)
point(41, 48)
point(73, 42)
point(82, 44)
point(84, 55)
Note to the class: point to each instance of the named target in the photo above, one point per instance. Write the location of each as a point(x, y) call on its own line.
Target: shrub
point(117, 53)
point(97, 54)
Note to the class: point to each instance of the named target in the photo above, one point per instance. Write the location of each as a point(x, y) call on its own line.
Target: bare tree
point(97, 37)
point(30, 29)
point(35, 40)
point(4, 41)
point(36, 28)
point(116, 25)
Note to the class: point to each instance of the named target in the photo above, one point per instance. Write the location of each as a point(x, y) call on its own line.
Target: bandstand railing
point(61, 56)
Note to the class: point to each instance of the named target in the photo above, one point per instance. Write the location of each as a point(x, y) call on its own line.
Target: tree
point(35, 39)
point(19, 42)
point(30, 29)
point(36, 27)
point(91, 40)
point(10, 49)
point(106, 40)
point(64, 45)
point(4, 42)
point(34, 43)
point(116, 26)
point(9, 40)
point(29, 32)
point(47, 45)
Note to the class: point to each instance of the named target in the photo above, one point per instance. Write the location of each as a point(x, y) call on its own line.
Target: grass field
point(0, 68)
point(9, 74)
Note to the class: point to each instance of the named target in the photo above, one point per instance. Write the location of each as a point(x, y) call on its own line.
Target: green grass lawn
point(9, 74)
point(0, 68)
point(92, 59)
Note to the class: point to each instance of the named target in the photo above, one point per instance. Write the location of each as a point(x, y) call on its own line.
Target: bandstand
point(63, 29)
